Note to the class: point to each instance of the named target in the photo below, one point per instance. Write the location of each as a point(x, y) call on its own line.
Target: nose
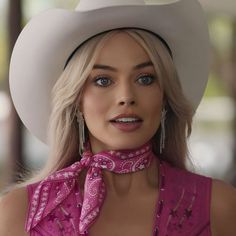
point(127, 101)
point(126, 96)
point(125, 93)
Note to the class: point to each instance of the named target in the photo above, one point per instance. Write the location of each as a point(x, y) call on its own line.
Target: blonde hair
point(63, 130)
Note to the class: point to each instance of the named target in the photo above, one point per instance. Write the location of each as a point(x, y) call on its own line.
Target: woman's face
point(123, 81)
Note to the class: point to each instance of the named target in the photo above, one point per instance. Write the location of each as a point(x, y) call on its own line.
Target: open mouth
point(126, 125)
point(126, 120)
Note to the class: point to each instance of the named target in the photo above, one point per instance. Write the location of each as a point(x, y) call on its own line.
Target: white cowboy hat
point(47, 41)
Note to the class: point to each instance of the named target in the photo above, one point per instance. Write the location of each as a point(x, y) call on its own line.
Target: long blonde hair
point(63, 130)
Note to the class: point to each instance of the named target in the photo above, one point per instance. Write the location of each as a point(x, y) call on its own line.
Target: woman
point(118, 125)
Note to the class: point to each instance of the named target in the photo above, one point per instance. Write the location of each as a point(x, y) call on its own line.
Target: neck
point(132, 184)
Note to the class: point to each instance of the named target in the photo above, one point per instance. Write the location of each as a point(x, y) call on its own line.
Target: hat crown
point(87, 5)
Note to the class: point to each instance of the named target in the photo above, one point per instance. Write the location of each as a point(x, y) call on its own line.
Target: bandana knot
point(94, 191)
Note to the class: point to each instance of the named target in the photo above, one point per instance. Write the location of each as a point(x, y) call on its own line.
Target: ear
point(81, 108)
point(164, 102)
point(79, 103)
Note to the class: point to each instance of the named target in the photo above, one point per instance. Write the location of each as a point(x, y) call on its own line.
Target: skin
point(135, 194)
point(116, 89)
point(124, 89)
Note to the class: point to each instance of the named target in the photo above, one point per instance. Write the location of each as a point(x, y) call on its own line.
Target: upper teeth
point(126, 119)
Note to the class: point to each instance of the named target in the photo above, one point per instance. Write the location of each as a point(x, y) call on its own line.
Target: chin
point(131, 144)
point(118, 142)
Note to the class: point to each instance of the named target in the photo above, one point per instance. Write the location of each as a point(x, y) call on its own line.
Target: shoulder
point(13, 212)
point(223, 208)
point(187, 178)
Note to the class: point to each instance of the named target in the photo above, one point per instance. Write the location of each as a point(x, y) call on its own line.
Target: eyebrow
point(106, 67)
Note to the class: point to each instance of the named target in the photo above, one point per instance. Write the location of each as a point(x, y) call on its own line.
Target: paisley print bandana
point(120, 162)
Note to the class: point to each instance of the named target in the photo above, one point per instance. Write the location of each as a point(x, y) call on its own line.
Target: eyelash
point(141, 76)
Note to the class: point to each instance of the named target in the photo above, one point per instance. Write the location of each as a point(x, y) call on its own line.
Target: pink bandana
point(121, 162)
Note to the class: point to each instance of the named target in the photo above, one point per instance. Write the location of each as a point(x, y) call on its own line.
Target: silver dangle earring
point(80, 120)
point(163, 133)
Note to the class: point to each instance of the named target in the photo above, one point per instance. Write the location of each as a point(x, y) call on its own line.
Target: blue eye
point(103, 81)
point(146, 79)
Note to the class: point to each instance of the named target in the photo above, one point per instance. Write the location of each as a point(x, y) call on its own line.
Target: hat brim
point(47, 41)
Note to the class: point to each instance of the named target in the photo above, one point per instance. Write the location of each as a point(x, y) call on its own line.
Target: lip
point(127, 127)
point(126, 115)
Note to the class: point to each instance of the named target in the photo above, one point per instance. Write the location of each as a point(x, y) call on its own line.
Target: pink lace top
point(182, 207)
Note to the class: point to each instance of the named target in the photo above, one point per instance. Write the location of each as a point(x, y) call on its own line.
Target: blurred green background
point(213, 141)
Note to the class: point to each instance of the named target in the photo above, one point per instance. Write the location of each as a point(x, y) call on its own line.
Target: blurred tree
point(228, 73)
point(3, 48)
point(15, 160)
point(233, 90)
point(15, 164)
point(224, 66)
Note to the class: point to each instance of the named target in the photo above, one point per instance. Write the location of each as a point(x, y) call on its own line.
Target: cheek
point(94, 106)
point(153, 101)
point(155, 112)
